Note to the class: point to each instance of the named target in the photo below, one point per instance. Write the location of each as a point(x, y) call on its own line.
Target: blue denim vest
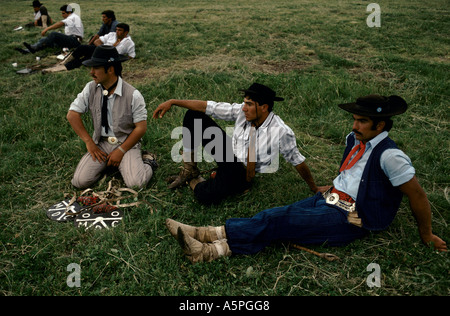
point(378, 200)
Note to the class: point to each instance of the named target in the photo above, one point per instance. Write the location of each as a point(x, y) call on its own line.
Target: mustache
point(356, 132)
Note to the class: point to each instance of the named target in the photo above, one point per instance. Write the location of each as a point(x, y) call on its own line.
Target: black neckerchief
point(105, 93)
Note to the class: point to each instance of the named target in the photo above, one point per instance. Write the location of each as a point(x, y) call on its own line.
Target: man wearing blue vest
point(365, 196)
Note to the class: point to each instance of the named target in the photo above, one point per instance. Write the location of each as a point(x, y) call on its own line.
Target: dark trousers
point(309, 221)
point(56, 39)
point(200, 129)
point(80, 54)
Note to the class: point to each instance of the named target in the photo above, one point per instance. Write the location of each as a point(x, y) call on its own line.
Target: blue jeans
point(56, 39)
point(309, 221)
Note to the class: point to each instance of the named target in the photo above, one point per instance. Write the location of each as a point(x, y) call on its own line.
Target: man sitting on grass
point(119, 39)
point(258, 138)
point(365, 196)
point(72, 37)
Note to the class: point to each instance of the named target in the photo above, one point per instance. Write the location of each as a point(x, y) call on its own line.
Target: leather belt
point(344, 202)
point(333, 197)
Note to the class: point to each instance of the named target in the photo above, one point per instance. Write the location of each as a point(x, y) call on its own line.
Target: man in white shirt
point(259, 137)
point(119, 39)
point(72, 37)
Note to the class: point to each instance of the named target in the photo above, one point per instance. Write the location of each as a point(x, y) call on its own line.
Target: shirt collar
point(374, 141)
point(266, 122)
point(118, 89)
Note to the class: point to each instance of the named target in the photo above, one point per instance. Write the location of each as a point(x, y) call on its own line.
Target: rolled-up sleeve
point(223, 111)
point(81, 103)
point(289, 150)
point(138, 107)
point(397, 166)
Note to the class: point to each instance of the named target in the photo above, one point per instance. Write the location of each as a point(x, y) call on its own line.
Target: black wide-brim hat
point(375, 105)
point(264, 91)
point(104, 55)
point(37, 4)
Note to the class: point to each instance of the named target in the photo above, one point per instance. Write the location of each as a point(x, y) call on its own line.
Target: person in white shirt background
point(120, 39)
point(72, 37)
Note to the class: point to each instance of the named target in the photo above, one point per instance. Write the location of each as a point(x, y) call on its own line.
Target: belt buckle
point(113, 140)
point(332, 198)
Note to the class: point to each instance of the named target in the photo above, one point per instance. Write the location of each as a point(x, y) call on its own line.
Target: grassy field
point(316, 54)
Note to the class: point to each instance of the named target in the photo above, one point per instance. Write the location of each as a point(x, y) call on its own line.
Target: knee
point(80, 183)
point(191, 115)
point(138, 180)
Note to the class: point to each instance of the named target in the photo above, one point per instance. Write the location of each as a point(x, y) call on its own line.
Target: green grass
point(316, 54)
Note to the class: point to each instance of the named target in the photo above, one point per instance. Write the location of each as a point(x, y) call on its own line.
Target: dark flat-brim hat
point(104, 55)
point(375, 105)
point(37, 4)
point(263, 91)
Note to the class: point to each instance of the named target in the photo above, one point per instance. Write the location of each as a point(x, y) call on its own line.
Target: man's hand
point(437, 242)
point(96, 153)
point(323, 189)
point(115, 157)
point(162, 109)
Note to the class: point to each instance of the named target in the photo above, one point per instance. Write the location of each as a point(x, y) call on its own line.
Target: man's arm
point(98, 42)
point(93, 39)
point(421, 210)
point(115, 157)
point(195, 105)
point(44, 19)
point(305, 173)
point(76, 122)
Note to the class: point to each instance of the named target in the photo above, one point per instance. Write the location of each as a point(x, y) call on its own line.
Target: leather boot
point(197, 251)
point(202, 234)
point(189, 172)
point(57, 68)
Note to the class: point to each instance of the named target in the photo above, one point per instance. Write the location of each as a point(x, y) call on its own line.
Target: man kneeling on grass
point(365, 196)
point(119, 117)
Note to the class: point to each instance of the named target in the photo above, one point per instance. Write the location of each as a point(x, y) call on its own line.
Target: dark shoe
point(22, 51)
point(30, 48)
point(150, 159)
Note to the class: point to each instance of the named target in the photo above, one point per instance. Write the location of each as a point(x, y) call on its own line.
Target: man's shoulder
point(128, 85)
point(275, 121)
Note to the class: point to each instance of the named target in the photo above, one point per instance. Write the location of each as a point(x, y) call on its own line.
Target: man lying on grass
point(365, 196)
point(259, 137)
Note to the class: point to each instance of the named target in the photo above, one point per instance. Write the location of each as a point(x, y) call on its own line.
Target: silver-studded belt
point(333, 199)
